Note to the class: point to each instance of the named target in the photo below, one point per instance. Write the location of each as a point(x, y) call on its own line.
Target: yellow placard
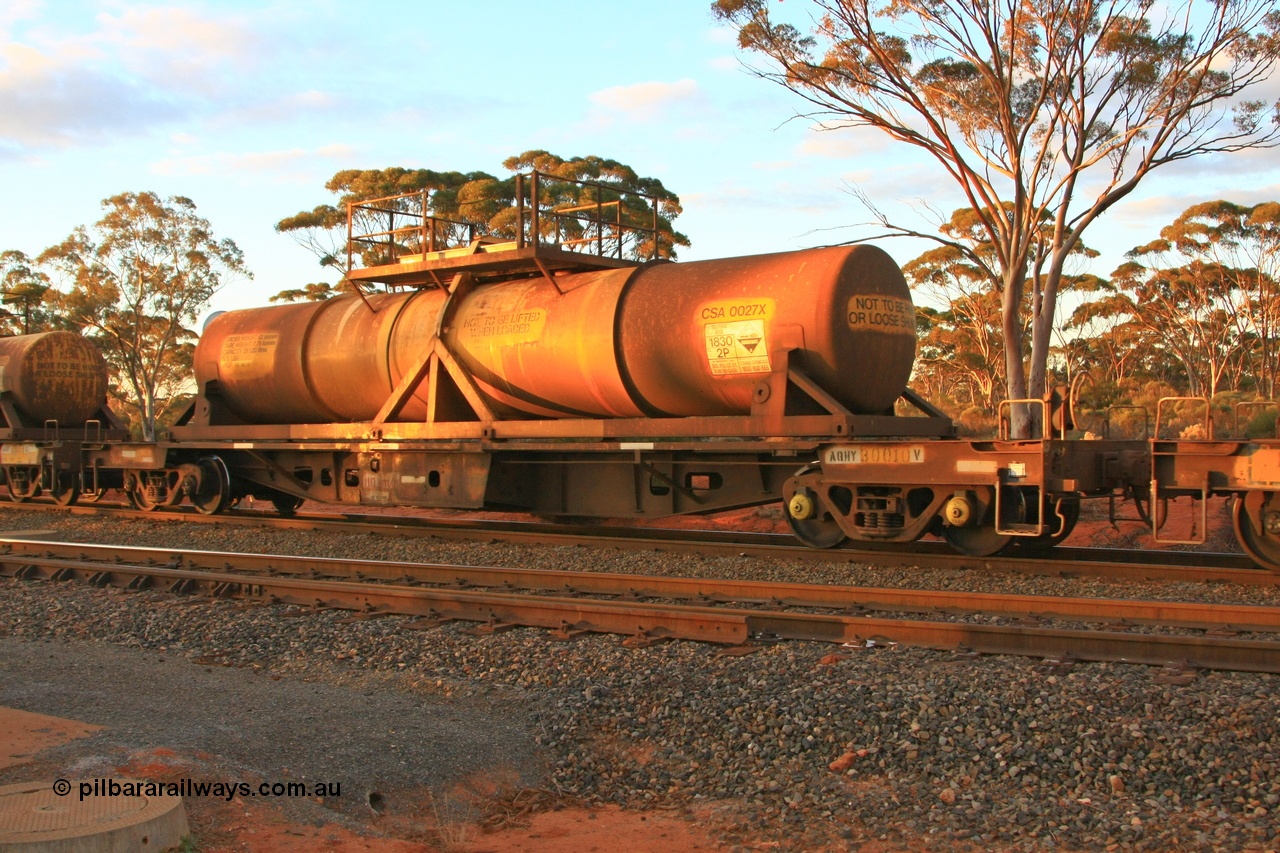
point(881, 314)
point(248, 356)
point(735, 331)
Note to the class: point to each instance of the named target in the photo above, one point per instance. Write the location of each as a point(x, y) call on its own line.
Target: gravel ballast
point(368, 734)
point(989, 753)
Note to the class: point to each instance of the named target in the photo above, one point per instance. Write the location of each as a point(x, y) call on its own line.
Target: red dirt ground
point(243, 827)
point(23, 734)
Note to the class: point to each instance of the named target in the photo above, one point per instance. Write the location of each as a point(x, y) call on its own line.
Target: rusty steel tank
point(58, 376)
point(662, 339)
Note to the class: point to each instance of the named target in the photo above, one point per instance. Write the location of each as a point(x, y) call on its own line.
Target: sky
point(247, 108)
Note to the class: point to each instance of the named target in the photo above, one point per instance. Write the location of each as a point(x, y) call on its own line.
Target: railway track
point(1188, 566)
point(646, 608)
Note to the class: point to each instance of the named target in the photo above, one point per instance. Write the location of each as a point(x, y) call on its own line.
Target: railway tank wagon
point(53, 406)
point(535, 375)
point(652, 341)
point(532, 377)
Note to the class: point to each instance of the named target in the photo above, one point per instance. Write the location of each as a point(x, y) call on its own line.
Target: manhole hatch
point(35, 819)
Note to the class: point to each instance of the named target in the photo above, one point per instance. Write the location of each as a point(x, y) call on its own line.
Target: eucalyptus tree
point(25, 294)
point(133, 282)
point(1034, 109)
point(1208, 290)
point(957, 274)
point(1243, 241)
point(1189, 310)
point(485, 203)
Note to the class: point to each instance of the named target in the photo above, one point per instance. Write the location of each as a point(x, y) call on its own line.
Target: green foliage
point(1261, 423)
point(316, 291)
point(487, 203)
point(1128, 409)
point(620, 183)
point(1124, 409)
point(25, 295)
point(1203, 296)
point(1194, 311)
point(976, 422)
point(132, 283)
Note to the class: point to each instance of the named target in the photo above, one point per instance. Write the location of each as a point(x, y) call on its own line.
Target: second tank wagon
point(57, 377)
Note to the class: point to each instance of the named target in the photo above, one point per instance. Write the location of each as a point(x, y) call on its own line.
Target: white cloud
point(841, 143)
point(130, 72)
point(272, 110)
point(287, 163)
point(680, 111)
point(179, 46)
point(56, 100)
point(1160, 210)
point(722, 35)
point(646, 101)
point(12, 11)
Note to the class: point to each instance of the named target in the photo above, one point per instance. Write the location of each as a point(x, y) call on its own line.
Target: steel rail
point(1198, 615)
point(649, 622)
point(783, 544)
point(1205, 616)
point(1192, 567)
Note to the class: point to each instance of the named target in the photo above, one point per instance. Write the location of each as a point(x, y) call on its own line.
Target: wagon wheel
point(819, 531)
point(977, 540)
point(1058, 528)
point(22, 486)
point(286, 505)
point(140, 501)
point(215, 483)
point(65, 489)
point(980, 538)
point(1263, 547)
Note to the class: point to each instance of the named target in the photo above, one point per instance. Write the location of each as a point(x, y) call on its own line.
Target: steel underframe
point(1201, 469)
point(987, 471)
